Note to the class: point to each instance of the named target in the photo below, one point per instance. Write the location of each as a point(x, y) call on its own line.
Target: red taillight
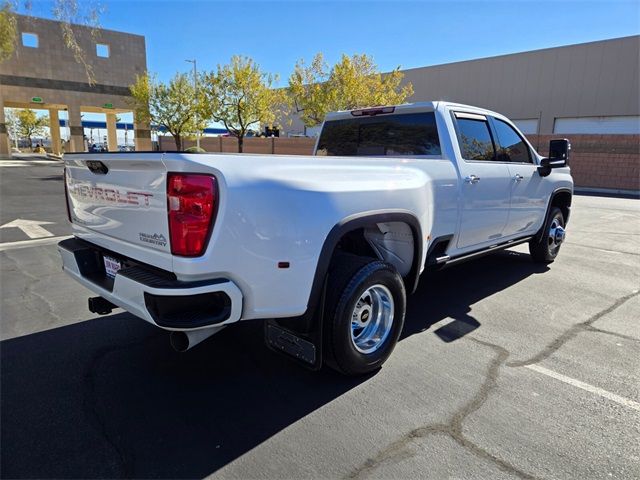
point(191, 201)
point(66, 195)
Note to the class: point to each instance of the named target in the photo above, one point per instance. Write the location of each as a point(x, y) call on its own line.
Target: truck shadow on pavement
point(451, 292)
point(108, 398)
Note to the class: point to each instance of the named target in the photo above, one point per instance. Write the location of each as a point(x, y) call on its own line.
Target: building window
point(528, 126)
point(598, 125)
point(30, 40)
point(102, 50)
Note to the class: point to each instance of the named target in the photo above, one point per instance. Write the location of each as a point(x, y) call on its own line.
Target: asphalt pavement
point(505, 369)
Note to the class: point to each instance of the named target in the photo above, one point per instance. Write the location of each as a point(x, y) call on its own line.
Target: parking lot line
point(585, 386)
point(31, 243)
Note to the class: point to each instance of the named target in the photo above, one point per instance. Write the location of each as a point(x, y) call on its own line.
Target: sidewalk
point(29, 157)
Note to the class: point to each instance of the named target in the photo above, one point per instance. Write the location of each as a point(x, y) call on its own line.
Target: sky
point(396, 33)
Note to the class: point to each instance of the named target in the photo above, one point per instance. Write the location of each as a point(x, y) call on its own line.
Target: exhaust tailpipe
point(183, 341)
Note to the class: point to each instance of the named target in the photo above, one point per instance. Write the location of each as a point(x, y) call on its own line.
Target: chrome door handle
point(518, 177)
point(472, 179)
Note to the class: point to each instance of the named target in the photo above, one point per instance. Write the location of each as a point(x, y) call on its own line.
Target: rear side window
point(474, 138)
point(391, 135)
point(511, 146)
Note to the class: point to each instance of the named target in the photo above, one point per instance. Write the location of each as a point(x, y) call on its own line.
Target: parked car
point(324, 247)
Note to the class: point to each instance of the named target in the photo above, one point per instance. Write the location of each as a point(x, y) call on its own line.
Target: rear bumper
point(151, 294)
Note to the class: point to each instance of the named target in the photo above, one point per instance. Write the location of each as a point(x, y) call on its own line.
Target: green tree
point(11, 121)
point(239, 95)
point(8, 31)
point(309, 91)
point(173, 106)
point(354, 82)
point(28, 124)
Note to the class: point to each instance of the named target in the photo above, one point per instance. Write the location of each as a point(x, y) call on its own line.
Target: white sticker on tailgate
point(111, 266)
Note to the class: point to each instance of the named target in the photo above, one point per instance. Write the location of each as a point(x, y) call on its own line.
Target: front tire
point(364, 313)
point(544, 248)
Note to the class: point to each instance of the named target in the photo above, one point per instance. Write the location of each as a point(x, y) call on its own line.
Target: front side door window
point(511, 146)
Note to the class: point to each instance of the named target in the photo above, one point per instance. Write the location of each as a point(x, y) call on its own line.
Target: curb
point(609, 192)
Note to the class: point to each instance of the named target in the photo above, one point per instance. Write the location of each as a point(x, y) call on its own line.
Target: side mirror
point(559, 152)
point(558, 156)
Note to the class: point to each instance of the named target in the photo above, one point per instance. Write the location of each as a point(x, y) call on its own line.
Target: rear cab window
point(398, 134)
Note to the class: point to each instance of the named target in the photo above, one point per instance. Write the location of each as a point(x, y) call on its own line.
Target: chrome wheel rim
point(556, 235)
point(372, 319)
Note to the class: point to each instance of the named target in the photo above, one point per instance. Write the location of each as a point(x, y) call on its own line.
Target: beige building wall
point(596, 79)
point(585, 80)
point(51, 72)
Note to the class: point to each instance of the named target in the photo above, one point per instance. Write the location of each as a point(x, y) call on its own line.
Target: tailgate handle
point(97, 167)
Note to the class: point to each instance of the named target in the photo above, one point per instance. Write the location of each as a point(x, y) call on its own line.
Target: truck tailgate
point(121, 196)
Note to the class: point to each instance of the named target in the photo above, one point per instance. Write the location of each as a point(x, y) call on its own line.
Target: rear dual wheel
point(364, 313)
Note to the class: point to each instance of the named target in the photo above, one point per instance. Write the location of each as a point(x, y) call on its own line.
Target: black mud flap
point(286, 341)
point(298, 339)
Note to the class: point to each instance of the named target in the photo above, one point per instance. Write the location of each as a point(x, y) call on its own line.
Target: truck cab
point(499, 190)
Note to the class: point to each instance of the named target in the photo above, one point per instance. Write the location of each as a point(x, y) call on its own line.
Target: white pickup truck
point(324, 247)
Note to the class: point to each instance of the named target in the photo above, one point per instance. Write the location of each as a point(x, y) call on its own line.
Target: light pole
point(195, 89)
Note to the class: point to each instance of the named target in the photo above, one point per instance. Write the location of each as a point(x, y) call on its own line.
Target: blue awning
point(129, 126)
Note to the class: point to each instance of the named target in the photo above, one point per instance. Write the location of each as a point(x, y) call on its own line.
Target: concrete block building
point(43, 73)
point(589, 93)
point(587, 88)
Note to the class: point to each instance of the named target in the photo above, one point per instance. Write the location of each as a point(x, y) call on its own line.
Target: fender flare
point(551, 198)
point(353, 222)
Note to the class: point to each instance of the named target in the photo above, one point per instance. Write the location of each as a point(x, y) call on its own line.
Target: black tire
point(542, 248)
point(349, 278)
